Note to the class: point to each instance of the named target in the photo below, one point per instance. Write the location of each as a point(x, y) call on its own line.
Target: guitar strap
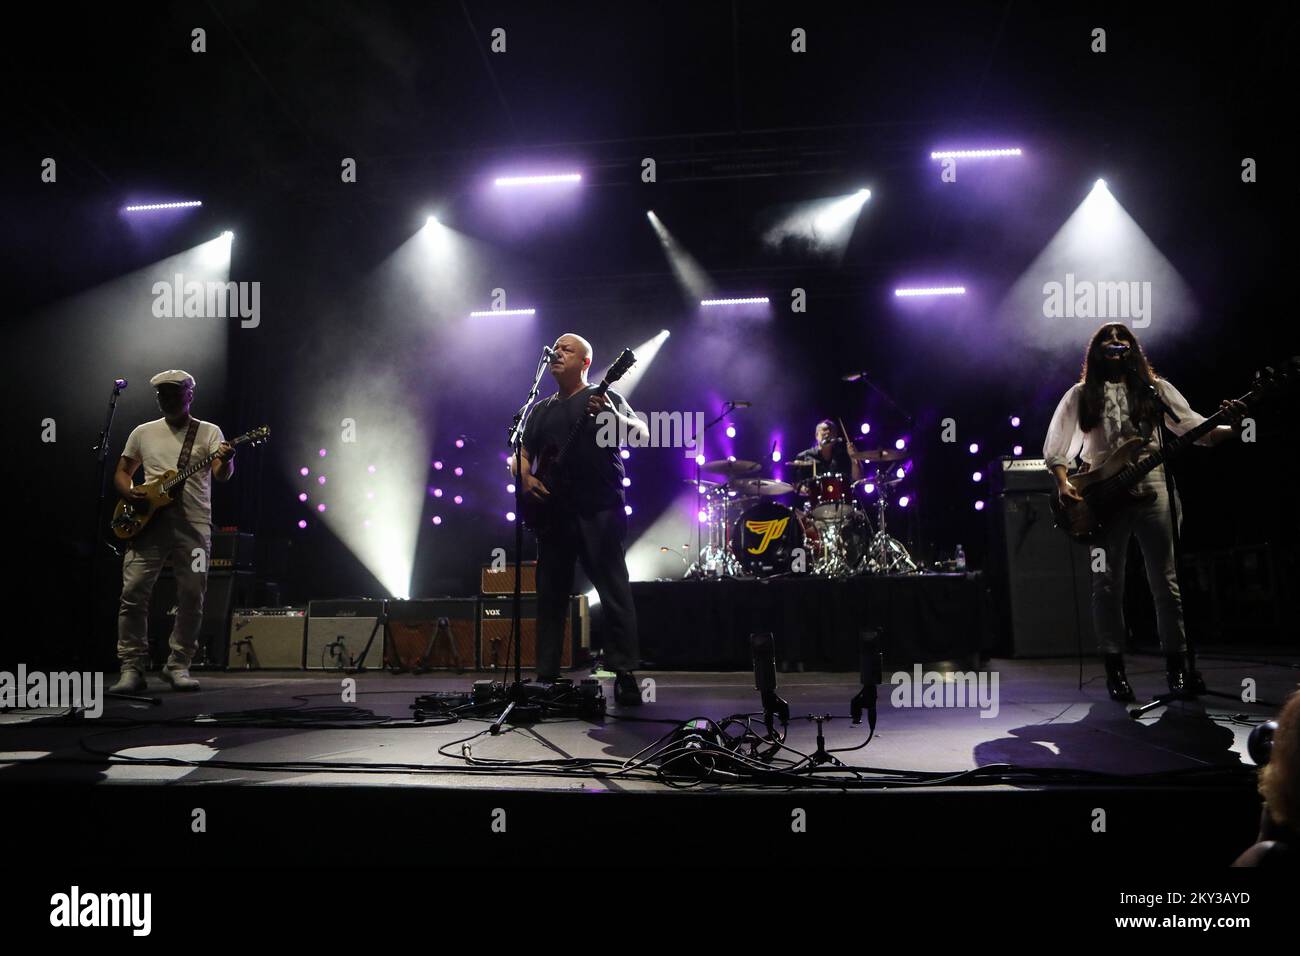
point(184, 460)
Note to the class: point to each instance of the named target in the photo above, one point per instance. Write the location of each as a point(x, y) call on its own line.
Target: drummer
point(831, 453)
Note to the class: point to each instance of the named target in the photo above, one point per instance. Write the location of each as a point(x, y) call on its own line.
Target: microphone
point(1115, 348)
point(764, 651)
point(119, 384)
point(740, 404)
point(549, 353)
point(869, 664)
point(853, 376)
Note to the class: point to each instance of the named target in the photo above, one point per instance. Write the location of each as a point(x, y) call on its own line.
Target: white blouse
point(1065, 439)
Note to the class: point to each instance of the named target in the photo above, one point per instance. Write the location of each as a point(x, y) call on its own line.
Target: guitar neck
point(601, 389)
point(196, 467)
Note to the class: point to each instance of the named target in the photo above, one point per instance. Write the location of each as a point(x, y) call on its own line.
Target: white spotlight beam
point(689, 273)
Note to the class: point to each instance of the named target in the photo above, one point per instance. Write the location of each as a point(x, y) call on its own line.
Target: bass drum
point(764, 539)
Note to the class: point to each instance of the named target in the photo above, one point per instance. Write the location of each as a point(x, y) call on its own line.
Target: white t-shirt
point(158, 446)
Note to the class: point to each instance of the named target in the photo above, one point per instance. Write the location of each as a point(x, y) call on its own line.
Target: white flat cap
point(173, 376)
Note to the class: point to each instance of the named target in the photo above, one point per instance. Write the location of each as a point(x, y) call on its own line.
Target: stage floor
point(1042, 720)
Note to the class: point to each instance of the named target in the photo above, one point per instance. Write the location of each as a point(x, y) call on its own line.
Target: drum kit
point(761, 527)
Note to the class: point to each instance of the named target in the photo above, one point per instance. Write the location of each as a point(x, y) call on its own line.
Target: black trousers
point(597, 541)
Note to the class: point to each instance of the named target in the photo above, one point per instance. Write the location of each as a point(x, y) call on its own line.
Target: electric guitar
point(550, 463)
point(1109, 485)
point(130, 517)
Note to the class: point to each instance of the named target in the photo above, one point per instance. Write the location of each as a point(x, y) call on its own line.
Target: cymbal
point(731, 469)
point(762, 486)
point(863, 482)
point(799, 463)
point(878, 454)
point(702, 482)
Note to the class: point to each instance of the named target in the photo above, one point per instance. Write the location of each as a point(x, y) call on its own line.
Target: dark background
point(256, 127)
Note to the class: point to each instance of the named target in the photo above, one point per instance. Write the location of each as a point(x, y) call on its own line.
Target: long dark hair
point(1138, 374)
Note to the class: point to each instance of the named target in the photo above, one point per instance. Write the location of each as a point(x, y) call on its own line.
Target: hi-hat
point(762, 486)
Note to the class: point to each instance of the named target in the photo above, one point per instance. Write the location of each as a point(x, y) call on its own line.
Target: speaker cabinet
point(337, 632)
point(1042, 579)
point(263, 638)
point(432, 635)
point(495, 625)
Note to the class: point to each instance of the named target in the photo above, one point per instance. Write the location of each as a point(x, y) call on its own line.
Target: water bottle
point(960, 559)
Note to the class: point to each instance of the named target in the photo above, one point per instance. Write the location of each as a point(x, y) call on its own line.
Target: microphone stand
point(100, 448)
point(1195, 685)
point(727, 408)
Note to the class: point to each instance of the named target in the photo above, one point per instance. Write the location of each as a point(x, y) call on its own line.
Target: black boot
point(1176, 674)
point(1117, 684)
point(627, 692)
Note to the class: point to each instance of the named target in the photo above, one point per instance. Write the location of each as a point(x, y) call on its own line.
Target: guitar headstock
point(1271, 382)
point(254, 437)
point(625, 360)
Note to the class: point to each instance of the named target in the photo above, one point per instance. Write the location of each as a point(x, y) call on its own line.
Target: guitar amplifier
point(337, 632)
point(503, 582)
point(267, 637)
point(232, 551)
point(226, 590)
point(432, 634)
point(495, 626)
point(1020, 475)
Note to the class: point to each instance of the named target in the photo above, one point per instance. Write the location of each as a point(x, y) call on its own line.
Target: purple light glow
point(979, 506)
point(459, 500)
point(975, 153)
point(936, 290)
point(322, 452)
point(900, 444)
point(302, 523)
point(627, 482)
point(627, 509)
point(776, 455)
point(1018, 450)
point(304, 472)
point(900, 473)
point(976, 476)
point(699, 459)
point(871, 489)
point(701, 517)
point(510, 516)
point(460, 443)
point(537, 180)
point(371, 469)
point(302, 496)
point(320, 507)
point(974, 448)
point(624, 454)
point(510, 489)
point(904, 501)
point(485, 312)
point(437, 519)
point(458, 471)
point(321, 480)
point(437, 466)
point(750, 300)
point(731, 431)
point(864, 428)
point(437, 492)
point(1015, 421)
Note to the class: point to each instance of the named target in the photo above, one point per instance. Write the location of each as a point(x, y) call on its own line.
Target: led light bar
point(163, 205)
point(538, 180)
point(973, 153)
point(504, 312)
point(944, 290)
point(754, 300)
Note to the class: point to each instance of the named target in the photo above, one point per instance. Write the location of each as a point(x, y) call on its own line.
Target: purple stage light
point(904, 501)
point(974, 448)
point(437, 519)
point(1018, 450)
point(370, 496)
point(871, 488)
point(437, 492)
point(935, 290)
point(437, 466)
point(900, 473)
point(460, 443)
point(320, 507)
point(304, 472)
point(510, 489)
point(752, 300)
point(979, 506)
point(321, 480)
point(900, 444)
point(627, 482)
point(627, 509)
point(702, 517)
point(1015, 421)
point(975, 153)
point(731, 431)
point(510, 516)
point(699, 459)
point(302, 496)
point(459, 500)
point(458, 471)
point(864, 428)
point(624, 454)
point(776, 455)
point(976, 476)
point(542, 180)
point(370, 468)
point(322, 452)
point(150, 207)
point(302, 523)
point(480, 314)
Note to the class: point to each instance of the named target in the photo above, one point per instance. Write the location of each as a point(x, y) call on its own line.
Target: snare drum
point(765, 537)
point(828, 496)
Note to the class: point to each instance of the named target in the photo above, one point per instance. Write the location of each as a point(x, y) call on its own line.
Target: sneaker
point(131, 681)
point(179, 678)
point(627, 692)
